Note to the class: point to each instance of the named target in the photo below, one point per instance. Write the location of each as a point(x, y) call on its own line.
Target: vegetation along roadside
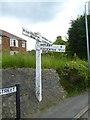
point(74, 74)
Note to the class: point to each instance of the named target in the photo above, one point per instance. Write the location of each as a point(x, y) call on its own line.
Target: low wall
point(53, 92)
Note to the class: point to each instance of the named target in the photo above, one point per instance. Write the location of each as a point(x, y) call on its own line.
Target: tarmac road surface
point(68, 108)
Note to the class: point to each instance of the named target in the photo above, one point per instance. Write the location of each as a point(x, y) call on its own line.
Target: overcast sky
point(49, 17)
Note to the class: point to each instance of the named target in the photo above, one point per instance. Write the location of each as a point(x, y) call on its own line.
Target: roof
point(7, 34)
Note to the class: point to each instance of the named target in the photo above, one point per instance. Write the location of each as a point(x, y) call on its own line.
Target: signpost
point(38, 82)
point(41, 44)
point(14, 89)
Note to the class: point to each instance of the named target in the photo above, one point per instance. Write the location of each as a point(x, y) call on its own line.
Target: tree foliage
point(59, 41)
point(77, 37)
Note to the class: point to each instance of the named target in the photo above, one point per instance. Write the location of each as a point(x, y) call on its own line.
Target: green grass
point(28, 60)
point(47, 61)
point(74, 74)
point(53, 62)
point(18, 61)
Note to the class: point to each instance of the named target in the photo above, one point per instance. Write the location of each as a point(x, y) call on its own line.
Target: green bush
point(74, 77)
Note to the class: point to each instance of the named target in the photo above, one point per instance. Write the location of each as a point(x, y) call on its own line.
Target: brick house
point(11, 44)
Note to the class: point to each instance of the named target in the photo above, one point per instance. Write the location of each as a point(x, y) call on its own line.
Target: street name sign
point(5, 91)
point(14, 89)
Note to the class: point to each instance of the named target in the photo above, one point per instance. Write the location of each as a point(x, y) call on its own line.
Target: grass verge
point(74, 74)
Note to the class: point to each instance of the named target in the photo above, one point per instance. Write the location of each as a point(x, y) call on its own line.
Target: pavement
point(73, 107)
point(83, 113)
point(86, 114)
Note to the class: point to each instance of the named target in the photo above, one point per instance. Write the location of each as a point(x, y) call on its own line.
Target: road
point(68, 108)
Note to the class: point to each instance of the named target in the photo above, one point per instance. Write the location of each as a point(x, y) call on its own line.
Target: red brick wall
point(5, 44)
point(7, 48)
point(20, 46)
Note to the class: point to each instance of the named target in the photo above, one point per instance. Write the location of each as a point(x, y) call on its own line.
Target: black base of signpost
point(18, 113)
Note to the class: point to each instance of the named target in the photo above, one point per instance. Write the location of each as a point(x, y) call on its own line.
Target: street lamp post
point(89, 7)
point(87, 34)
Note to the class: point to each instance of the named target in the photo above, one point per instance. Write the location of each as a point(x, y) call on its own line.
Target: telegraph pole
point(87, 32)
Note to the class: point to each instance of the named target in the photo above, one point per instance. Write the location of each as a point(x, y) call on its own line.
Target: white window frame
point(23, 43)
point(13, 43)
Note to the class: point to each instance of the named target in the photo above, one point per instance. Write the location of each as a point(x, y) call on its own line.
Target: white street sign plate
point(5, 91)
point(54, 48)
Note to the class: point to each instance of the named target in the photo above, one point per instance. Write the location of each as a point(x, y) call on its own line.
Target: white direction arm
point(35, 36)
point(54, 48)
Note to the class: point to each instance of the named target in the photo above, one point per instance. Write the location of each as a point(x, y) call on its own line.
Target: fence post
point(18, 113)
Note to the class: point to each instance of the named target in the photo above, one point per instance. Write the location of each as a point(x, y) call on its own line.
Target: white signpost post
point(41, 44)
point(38, 72)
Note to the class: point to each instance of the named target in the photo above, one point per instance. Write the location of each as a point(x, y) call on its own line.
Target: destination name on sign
point(7, 90)
point(53, 49)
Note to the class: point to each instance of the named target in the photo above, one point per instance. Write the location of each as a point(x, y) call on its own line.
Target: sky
point(49, 17)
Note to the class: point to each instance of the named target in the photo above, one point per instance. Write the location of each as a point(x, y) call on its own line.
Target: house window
point(0, 39)
point(23, 44)
point(13, 42)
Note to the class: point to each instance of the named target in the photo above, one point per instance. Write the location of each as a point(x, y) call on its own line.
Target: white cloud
point(51, 29)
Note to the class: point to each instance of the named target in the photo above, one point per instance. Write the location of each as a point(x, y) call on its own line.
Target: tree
point(59, 41)
point(77, 37)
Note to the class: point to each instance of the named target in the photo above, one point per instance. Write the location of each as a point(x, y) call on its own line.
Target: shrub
point(74, 77)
